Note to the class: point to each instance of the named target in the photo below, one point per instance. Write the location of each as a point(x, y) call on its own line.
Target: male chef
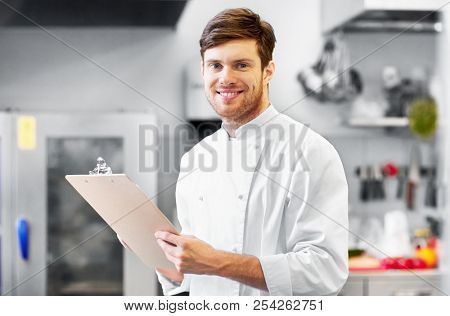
point(263, 202)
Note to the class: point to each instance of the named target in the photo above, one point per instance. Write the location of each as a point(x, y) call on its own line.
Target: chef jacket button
point(200, 198)
point(240, 197)
point(257, 147)
point(234, 249)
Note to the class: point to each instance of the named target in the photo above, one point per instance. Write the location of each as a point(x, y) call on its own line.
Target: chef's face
point(234, 82)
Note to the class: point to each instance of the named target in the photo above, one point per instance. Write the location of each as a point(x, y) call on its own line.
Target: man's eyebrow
point(247, 60)
point(212, 61)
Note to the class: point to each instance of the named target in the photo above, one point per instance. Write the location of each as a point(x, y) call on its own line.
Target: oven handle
point(22, 229)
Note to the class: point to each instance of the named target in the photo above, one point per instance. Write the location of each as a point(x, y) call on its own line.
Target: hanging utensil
point(380, 193)
point(431, 189)
point(413, 177)
point(401, 178)
point(362, 172)
point(332, 78)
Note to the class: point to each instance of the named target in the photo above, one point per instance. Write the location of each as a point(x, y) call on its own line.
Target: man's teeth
point(229, 94)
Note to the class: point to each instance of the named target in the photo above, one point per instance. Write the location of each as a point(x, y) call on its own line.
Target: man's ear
point(269, 70)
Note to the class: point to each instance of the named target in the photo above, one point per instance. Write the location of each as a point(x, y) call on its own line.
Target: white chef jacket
point(276, 191)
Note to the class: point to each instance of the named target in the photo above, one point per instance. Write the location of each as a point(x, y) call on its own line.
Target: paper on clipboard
point(128, 211)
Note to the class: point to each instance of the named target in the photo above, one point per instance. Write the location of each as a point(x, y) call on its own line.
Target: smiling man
point(263, 201)
point(236, 80)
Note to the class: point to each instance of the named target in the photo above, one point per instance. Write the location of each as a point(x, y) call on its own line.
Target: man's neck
point(231, 125)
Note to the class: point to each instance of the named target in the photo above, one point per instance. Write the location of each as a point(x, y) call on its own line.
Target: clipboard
point(128, 211)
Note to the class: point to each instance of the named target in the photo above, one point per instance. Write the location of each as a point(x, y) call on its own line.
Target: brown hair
point(239, 23)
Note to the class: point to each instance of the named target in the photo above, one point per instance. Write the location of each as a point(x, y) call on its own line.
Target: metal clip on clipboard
point(101, 168)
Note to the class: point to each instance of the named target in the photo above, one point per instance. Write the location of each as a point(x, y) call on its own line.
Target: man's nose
point(227, 76)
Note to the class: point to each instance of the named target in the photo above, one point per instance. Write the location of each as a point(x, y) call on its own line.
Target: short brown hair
point(240, 23)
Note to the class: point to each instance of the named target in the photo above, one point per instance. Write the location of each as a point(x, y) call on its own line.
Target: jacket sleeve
point(169, 287)
point(316, 229)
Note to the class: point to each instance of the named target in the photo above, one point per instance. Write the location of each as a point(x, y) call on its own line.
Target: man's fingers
point(169, 251)
point(167, 248)
point(171, 258)
point(169, 237)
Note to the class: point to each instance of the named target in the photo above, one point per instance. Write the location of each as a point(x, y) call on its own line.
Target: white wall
point(39, 72)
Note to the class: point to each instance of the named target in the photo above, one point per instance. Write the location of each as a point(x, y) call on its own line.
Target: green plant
point(423, 116)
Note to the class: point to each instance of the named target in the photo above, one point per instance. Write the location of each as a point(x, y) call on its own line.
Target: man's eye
point(242, 66)
point(215, 66)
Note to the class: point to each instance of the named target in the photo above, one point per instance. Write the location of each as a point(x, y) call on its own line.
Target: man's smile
point(229, 95)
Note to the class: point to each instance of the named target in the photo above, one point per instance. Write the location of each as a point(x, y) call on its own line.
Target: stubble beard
point(247, 111)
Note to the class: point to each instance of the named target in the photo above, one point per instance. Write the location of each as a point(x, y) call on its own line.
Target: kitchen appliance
point(51, 242)
point(382, 15)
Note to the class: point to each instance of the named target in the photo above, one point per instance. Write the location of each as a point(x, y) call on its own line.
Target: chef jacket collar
point(253, 128)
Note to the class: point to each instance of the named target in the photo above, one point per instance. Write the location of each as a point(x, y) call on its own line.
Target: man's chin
point(226, 110)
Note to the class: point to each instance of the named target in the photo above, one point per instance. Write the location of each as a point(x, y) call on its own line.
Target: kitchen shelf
point(378, 122)
point(395, 272)
point(394, 282)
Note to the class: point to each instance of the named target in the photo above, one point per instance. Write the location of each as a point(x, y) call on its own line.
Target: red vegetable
point(401, 263)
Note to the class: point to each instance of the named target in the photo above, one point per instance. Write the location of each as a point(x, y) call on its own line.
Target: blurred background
point(120, 79)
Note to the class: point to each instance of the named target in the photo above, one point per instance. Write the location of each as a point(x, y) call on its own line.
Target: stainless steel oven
point(51, 241)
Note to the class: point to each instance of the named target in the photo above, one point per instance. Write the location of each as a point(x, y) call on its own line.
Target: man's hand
point(194, 256)
point(188, 253)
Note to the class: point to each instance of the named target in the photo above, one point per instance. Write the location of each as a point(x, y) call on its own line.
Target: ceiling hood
point(148, 13)
point(382, 15)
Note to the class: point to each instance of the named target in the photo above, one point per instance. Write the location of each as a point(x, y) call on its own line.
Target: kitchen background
point(88, 83)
